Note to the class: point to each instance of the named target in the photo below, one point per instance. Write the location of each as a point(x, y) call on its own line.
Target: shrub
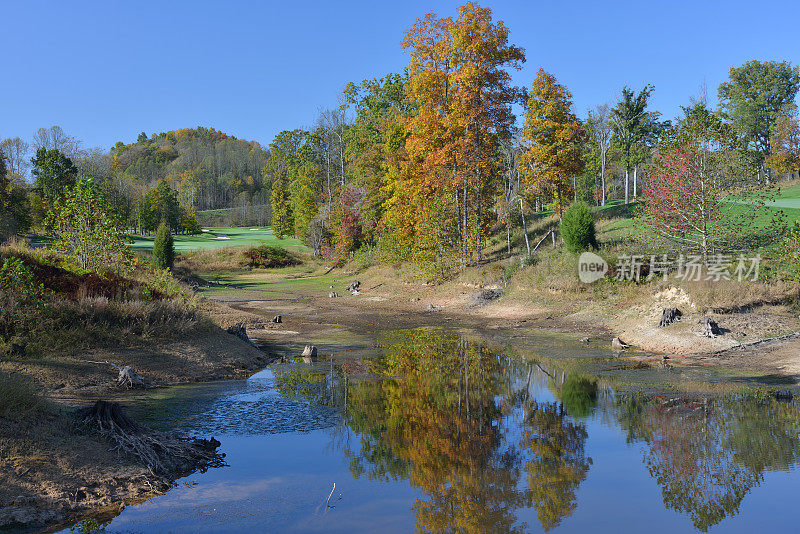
point(163, 248)
point(577, 228)
point(787, 253)
point(266, 256)
point(21, 299)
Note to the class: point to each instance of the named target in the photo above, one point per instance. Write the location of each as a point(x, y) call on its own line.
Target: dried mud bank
point(758, 338)
point(57, 464)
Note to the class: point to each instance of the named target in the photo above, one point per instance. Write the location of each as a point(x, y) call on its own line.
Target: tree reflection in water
point(468, 426)
point(707, 455)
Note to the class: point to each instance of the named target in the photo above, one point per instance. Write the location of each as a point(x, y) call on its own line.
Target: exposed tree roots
point(164, 454)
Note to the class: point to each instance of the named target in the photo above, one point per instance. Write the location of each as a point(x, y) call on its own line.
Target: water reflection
point(449, 433)
point(485, 434)
point(707, 456)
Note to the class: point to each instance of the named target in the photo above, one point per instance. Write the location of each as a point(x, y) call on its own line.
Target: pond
point(440, 430)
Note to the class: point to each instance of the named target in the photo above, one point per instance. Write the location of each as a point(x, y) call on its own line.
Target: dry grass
point(17, 397)
point(219, 259)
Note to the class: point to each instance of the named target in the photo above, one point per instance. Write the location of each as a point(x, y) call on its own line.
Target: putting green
point(218, 237)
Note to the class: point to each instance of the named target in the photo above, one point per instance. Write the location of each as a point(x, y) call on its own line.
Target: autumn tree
point(784, 141)
point(700, 194)
point(460, 87)
point(554, 138)
point(753, 99)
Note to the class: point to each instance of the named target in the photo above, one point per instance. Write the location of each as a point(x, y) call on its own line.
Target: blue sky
point(105, 71)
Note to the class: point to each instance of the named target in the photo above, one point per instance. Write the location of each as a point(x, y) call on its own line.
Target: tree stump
point(710, 327)
point(354, 286)
point(310, 351)
point(669, 316)
point(277, 319)
point(129, 378)
point(333, 294)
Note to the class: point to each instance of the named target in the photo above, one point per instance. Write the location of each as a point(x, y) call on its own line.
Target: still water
point(434, 430)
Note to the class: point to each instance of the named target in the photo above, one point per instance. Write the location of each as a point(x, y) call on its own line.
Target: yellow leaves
point(553, 135)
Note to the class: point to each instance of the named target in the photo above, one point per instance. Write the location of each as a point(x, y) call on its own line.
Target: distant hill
point(208, 168)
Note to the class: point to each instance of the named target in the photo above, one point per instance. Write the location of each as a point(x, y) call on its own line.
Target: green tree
point(167, 207)
point(630, 124)
point(304, 198)
point(163, 247)
point(282, 218)
point(86, 230)
point(53, 173)
point(577, 228)
point(753, 98)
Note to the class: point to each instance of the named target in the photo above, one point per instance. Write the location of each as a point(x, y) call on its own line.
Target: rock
point(310, 351)
point(354, 286)
point(486, 296)
point(584, 340)
point(355, 292)
point(784, 395)
point(277, 319)
point(618, 344)
point(415, 299)
point(432, 307)
point(669, 316)
point(333, 294)
point(710, 327)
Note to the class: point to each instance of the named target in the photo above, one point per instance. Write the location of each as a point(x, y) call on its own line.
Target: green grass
point(219, 237)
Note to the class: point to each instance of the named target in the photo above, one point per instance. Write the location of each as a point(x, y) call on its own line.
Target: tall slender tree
point(630, 124)
point(553, 136)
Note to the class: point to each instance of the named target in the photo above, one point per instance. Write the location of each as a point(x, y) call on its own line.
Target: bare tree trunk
point(635, 169)
point(626, 184)
point(603, 176)
point(524, 227)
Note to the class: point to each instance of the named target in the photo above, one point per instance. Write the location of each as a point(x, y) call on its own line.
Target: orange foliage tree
point(460, 87)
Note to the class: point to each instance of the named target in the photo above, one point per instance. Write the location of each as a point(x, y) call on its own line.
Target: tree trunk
point(626, 184)
point(603, 177)
point(524, 227)
point(635, 169)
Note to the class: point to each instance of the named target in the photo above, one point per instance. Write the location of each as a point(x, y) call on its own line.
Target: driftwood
point(127, 376)
point(162, 453)
point(618, 344)
point(669, 316)
point(710, 327)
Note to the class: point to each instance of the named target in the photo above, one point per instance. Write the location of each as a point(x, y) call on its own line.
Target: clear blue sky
point(105, 71)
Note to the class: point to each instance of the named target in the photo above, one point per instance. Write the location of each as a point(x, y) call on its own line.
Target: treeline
point(425, 165)
point(434, 159)
point(168, 176)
